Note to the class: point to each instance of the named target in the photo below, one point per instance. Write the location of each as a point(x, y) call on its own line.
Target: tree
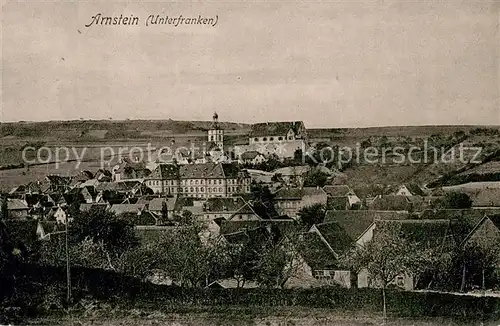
point(186, 218)
point(97, 238)
point(270, 267)
point(4, 212)
point(366, 143)
point(315, 178)
point(311, 215)
point(183, 257)
point(164, 213)
point(263, 201)
point(298, 156)
point(480, 258)
point(388, 255)
point(455, 200)
point(280, 260)
point(243, 259)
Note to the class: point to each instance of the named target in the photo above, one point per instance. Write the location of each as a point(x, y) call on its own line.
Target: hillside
point(108, 129)
point(97, 133)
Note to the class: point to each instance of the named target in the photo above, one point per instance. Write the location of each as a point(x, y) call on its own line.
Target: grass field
point(235, 316)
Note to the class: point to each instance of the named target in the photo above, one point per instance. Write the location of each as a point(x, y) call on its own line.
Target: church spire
point(215, 121)
point(216, 134)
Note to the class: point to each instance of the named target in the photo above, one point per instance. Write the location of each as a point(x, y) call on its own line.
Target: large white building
point(279, 138)
point(199, 180)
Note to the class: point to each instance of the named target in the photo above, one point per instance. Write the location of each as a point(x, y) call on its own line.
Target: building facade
point(289, 201)
point(281, 139)
point(199, 180)
point(277, 132)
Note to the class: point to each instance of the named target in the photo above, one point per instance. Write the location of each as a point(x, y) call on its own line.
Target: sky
point(329, 63)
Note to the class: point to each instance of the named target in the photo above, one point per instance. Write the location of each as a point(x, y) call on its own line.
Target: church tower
point(216, 134)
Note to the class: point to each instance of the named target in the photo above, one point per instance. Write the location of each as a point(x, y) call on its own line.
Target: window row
point(202, 189)
point(201, 181)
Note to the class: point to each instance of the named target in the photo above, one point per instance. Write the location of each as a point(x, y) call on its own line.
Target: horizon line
point(250, 123)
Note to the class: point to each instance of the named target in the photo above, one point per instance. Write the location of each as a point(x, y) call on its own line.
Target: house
point(57, 199)
point(22, 190)
point(164, 179)
point(409, 189)
point(57, 184)
point(190, 204)
point(85, 207)
point(17, 208)
point(463, 221)
point(486, 232)
point(128, 169)
point(161, 208)
point(260, 176)
point(426, 233)
point(42, 207)
point(159, 204)
point(103, 175)
point(391, 203)
point(46, 229)
point(292, 175)
point(228, 208)
point(315, 264)
point(128, 209)
point(31, 199)
point(289, 201)
point(83, 176)
point(89, 194)
point(359, 224)
point(341, 197)
point(422, 203)
point(89, 183)
point(215, 153)
point(220, 226)
point(18, 191)
point(251, 157)
point(258, 235)
point(334, 236)
point(231, 283)
point(61, 216)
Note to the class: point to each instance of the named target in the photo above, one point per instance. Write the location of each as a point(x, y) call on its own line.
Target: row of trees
point(100, 239)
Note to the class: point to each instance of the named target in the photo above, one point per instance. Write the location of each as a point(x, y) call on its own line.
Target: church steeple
point(216, 134)
point(215, 121)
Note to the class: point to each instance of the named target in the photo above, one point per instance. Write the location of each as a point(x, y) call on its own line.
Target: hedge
point(131, 293)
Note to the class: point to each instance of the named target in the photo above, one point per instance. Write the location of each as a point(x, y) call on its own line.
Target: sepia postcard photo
point(255, 162)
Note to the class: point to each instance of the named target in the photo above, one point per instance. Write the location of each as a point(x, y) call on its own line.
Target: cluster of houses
point(218, 193)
